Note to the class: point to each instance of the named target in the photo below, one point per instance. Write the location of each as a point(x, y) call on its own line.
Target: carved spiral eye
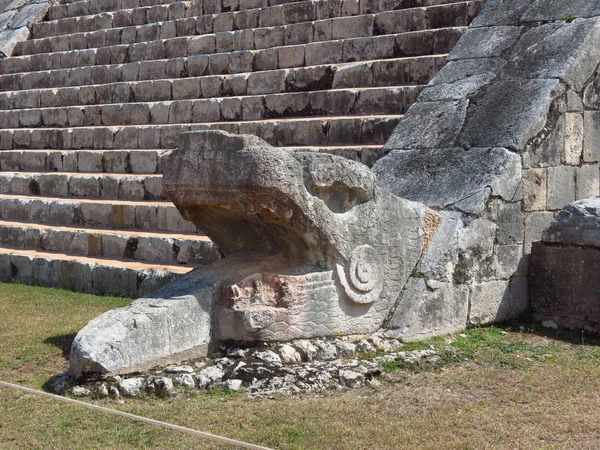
point(362, 277)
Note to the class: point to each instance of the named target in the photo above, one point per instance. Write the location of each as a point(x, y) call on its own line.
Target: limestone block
point(561, 187)
point(34, 161)
point(510, 224)
point(89, 161)
point(268, 37)
point(591, 136)
point(587, 181)
point(96, 214)
point(292, 56)
point(218, 63)
point(535, 224)
point(535, 189)
point(155, 250)
point(351, 27)
point(116, 161)
point(224, 41)
point(22, 268)
point(115, 246)
point(496, 301)
point(299, 33)
point(53, 185)
point(110, 280)
point(508, 261)
point(206, 110)
point(85, 186)
point(143, 162)
point(46, 272)
point(429, 308)
point(266, 82)
point(186, 88)
point(180, 112)
point(132, 188)
point(573, 138)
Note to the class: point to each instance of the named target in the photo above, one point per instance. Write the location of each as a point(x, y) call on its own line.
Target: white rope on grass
point(171, 426)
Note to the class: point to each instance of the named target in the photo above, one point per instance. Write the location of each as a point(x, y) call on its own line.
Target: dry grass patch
point(493, 388)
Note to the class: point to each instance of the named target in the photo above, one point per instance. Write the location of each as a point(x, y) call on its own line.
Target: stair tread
point(130, 264)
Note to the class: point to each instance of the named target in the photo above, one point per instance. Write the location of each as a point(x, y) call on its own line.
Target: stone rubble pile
point(297, 367)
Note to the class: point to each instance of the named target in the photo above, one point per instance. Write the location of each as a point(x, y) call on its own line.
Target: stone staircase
point(91, 104)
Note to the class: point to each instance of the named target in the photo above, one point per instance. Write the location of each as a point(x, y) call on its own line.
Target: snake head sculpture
point(327, 249)
point(313, 247)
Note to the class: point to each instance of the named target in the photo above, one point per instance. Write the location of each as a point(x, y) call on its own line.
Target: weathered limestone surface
point(565, 287)
point(314, 247)
point(16, 17)
point(503, 137)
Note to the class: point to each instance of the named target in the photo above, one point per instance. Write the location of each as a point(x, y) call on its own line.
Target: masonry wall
point(502, 138)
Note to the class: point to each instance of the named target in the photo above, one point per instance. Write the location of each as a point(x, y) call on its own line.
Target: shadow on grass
point(574, 337)
point(62, 341)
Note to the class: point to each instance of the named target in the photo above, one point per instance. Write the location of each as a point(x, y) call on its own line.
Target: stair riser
point(106, 187)
point(317, 132)
point(81, 276)
point(114, 161)
point(427, 42)
point(95, 215)
point(321, 103)
point(157, 41)
point(159, 250)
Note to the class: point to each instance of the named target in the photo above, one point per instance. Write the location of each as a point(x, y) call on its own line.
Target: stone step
point(154, 42)
point(108, 64)
point(315, 131)
point(83, 185)
point(156, 248)
point(334, 102)
point(176, 17)
point(366, 154)
point(88, 17)
point(77, 83)
point(75, 8)
point(85, 213)
point(84, 160)
point(138, 161)
point(91, 275)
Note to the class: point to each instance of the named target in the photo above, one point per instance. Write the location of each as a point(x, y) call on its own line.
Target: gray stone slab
point(568, 51)
point(429, 125)
point(486, 42)
point(451, 178)
point(501, 12)
point(547, 10)
point(509, 114)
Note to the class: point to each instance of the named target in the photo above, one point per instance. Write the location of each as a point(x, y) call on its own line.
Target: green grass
point(493, 388)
